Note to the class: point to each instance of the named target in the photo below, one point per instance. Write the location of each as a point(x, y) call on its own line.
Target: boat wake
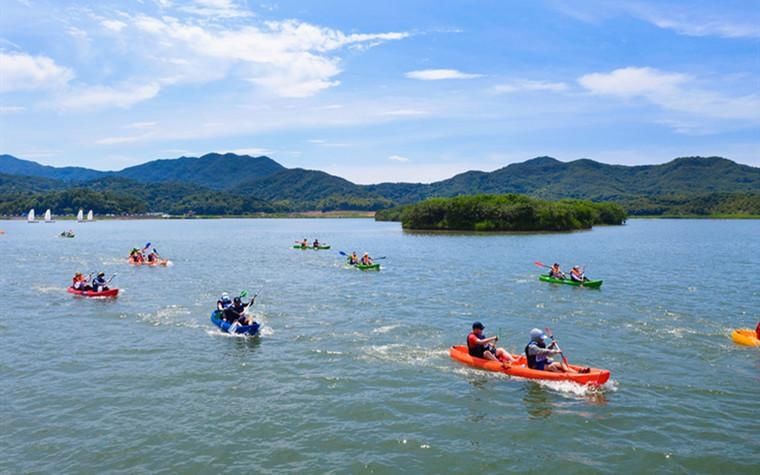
point(171, 315)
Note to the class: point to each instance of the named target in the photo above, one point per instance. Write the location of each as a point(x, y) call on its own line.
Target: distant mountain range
point(225, 182)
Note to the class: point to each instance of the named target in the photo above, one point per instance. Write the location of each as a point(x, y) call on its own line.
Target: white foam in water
point(385, 329)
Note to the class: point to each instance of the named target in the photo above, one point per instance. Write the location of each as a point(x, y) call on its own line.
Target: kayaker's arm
point(537, 350)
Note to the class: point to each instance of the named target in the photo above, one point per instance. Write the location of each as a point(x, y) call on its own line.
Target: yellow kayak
point(745, 336)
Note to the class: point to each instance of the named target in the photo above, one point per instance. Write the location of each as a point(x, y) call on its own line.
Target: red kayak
point(595, 377)
point(92, 293)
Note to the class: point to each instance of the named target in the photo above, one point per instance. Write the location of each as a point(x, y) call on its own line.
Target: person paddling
point(316, 243)
point(539, 355)
point(366, 260)
point(577, 274)
point(79, 282)
point(153, 257)
point(556, 272)
point(353, 259)
point(99, 283)
point(305, 243)
point(480, 346)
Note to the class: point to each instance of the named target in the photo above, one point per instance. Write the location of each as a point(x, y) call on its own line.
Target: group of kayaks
point(317, 246)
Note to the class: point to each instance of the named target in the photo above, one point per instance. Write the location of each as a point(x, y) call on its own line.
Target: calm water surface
point(352, 374)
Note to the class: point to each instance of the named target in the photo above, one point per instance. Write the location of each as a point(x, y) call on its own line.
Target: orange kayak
point(745, 336)
point(596, 377)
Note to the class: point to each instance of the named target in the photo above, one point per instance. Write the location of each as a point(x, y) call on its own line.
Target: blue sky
point(379, 91)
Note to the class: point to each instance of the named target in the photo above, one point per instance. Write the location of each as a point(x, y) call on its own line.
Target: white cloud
point(95, 97)
point(528, 85)
point(691, 21)
point(215, 8)
point(440, 74)
point(317, 141)
point(632, 81)
point(398, 158)
point(11, 109)
point(672, 91)
point(113, 25)
point(20, 71)
point(404, 112)
point(77, 33)
point(289, 58)
point(119, 140)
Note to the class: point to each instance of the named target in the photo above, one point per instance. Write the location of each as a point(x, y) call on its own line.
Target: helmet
point(536, 334)
point(236, 299)
point(225, 297)
point(477, 326)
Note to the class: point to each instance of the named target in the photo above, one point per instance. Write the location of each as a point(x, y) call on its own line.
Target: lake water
point(352, 373)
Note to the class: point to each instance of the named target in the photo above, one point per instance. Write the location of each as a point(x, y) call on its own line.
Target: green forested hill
point(234, 184)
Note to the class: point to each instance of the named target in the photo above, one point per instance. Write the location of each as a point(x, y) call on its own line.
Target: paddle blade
point(549, 333)
point(243, 294)
point(539, 264)
point(342, 253)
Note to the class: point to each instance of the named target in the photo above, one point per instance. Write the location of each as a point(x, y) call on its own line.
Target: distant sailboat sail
point(89, 216)
point(30, 216)
point(49, 216)
point(80, 215)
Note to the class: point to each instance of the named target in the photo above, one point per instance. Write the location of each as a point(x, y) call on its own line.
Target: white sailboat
point(80, 215)
point(49, 216)
point(89, 216)
point(30, 217)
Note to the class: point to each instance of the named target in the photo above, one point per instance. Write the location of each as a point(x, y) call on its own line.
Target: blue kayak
point(250, 330)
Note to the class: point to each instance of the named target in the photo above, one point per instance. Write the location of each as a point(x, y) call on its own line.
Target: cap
point(477, 325)
point(536, 334)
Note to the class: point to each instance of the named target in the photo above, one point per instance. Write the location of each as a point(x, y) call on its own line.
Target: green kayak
point(367, 267)
point(591, 284)
point(320, 248)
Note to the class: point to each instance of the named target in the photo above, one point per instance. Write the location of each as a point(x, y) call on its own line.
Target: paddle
point(541, 264)
point(556, 345)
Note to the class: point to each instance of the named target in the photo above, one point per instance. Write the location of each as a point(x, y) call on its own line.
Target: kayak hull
point(591, 284)
point(250, 330)
point(162, 262)
point(745, 337)
point(91, 293)
point(596, 377)
point(367, 267)
point(320, 248)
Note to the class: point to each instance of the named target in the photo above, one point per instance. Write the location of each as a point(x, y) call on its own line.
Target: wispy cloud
point(440, 74)
point(398, 158)
point(11, 109)
point(672, 91)
point(94, 97)
point(120, 140)
point(528, 85)
point(141, 125)
point(404, 112)
point(23, 72)
point(289, 58)
point(692, 20)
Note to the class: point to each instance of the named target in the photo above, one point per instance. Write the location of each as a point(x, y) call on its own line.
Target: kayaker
point(577, 274)
point(480, 346)
point(539, 354)
point(99, 283)
point(79, 282)
point(353, 259)
point(316, 243)
point(556, 272)
point(305, 243)
point(238, 307)
point(223, 304)
point(366, 260)
point(136, 256)
point(153, 257)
